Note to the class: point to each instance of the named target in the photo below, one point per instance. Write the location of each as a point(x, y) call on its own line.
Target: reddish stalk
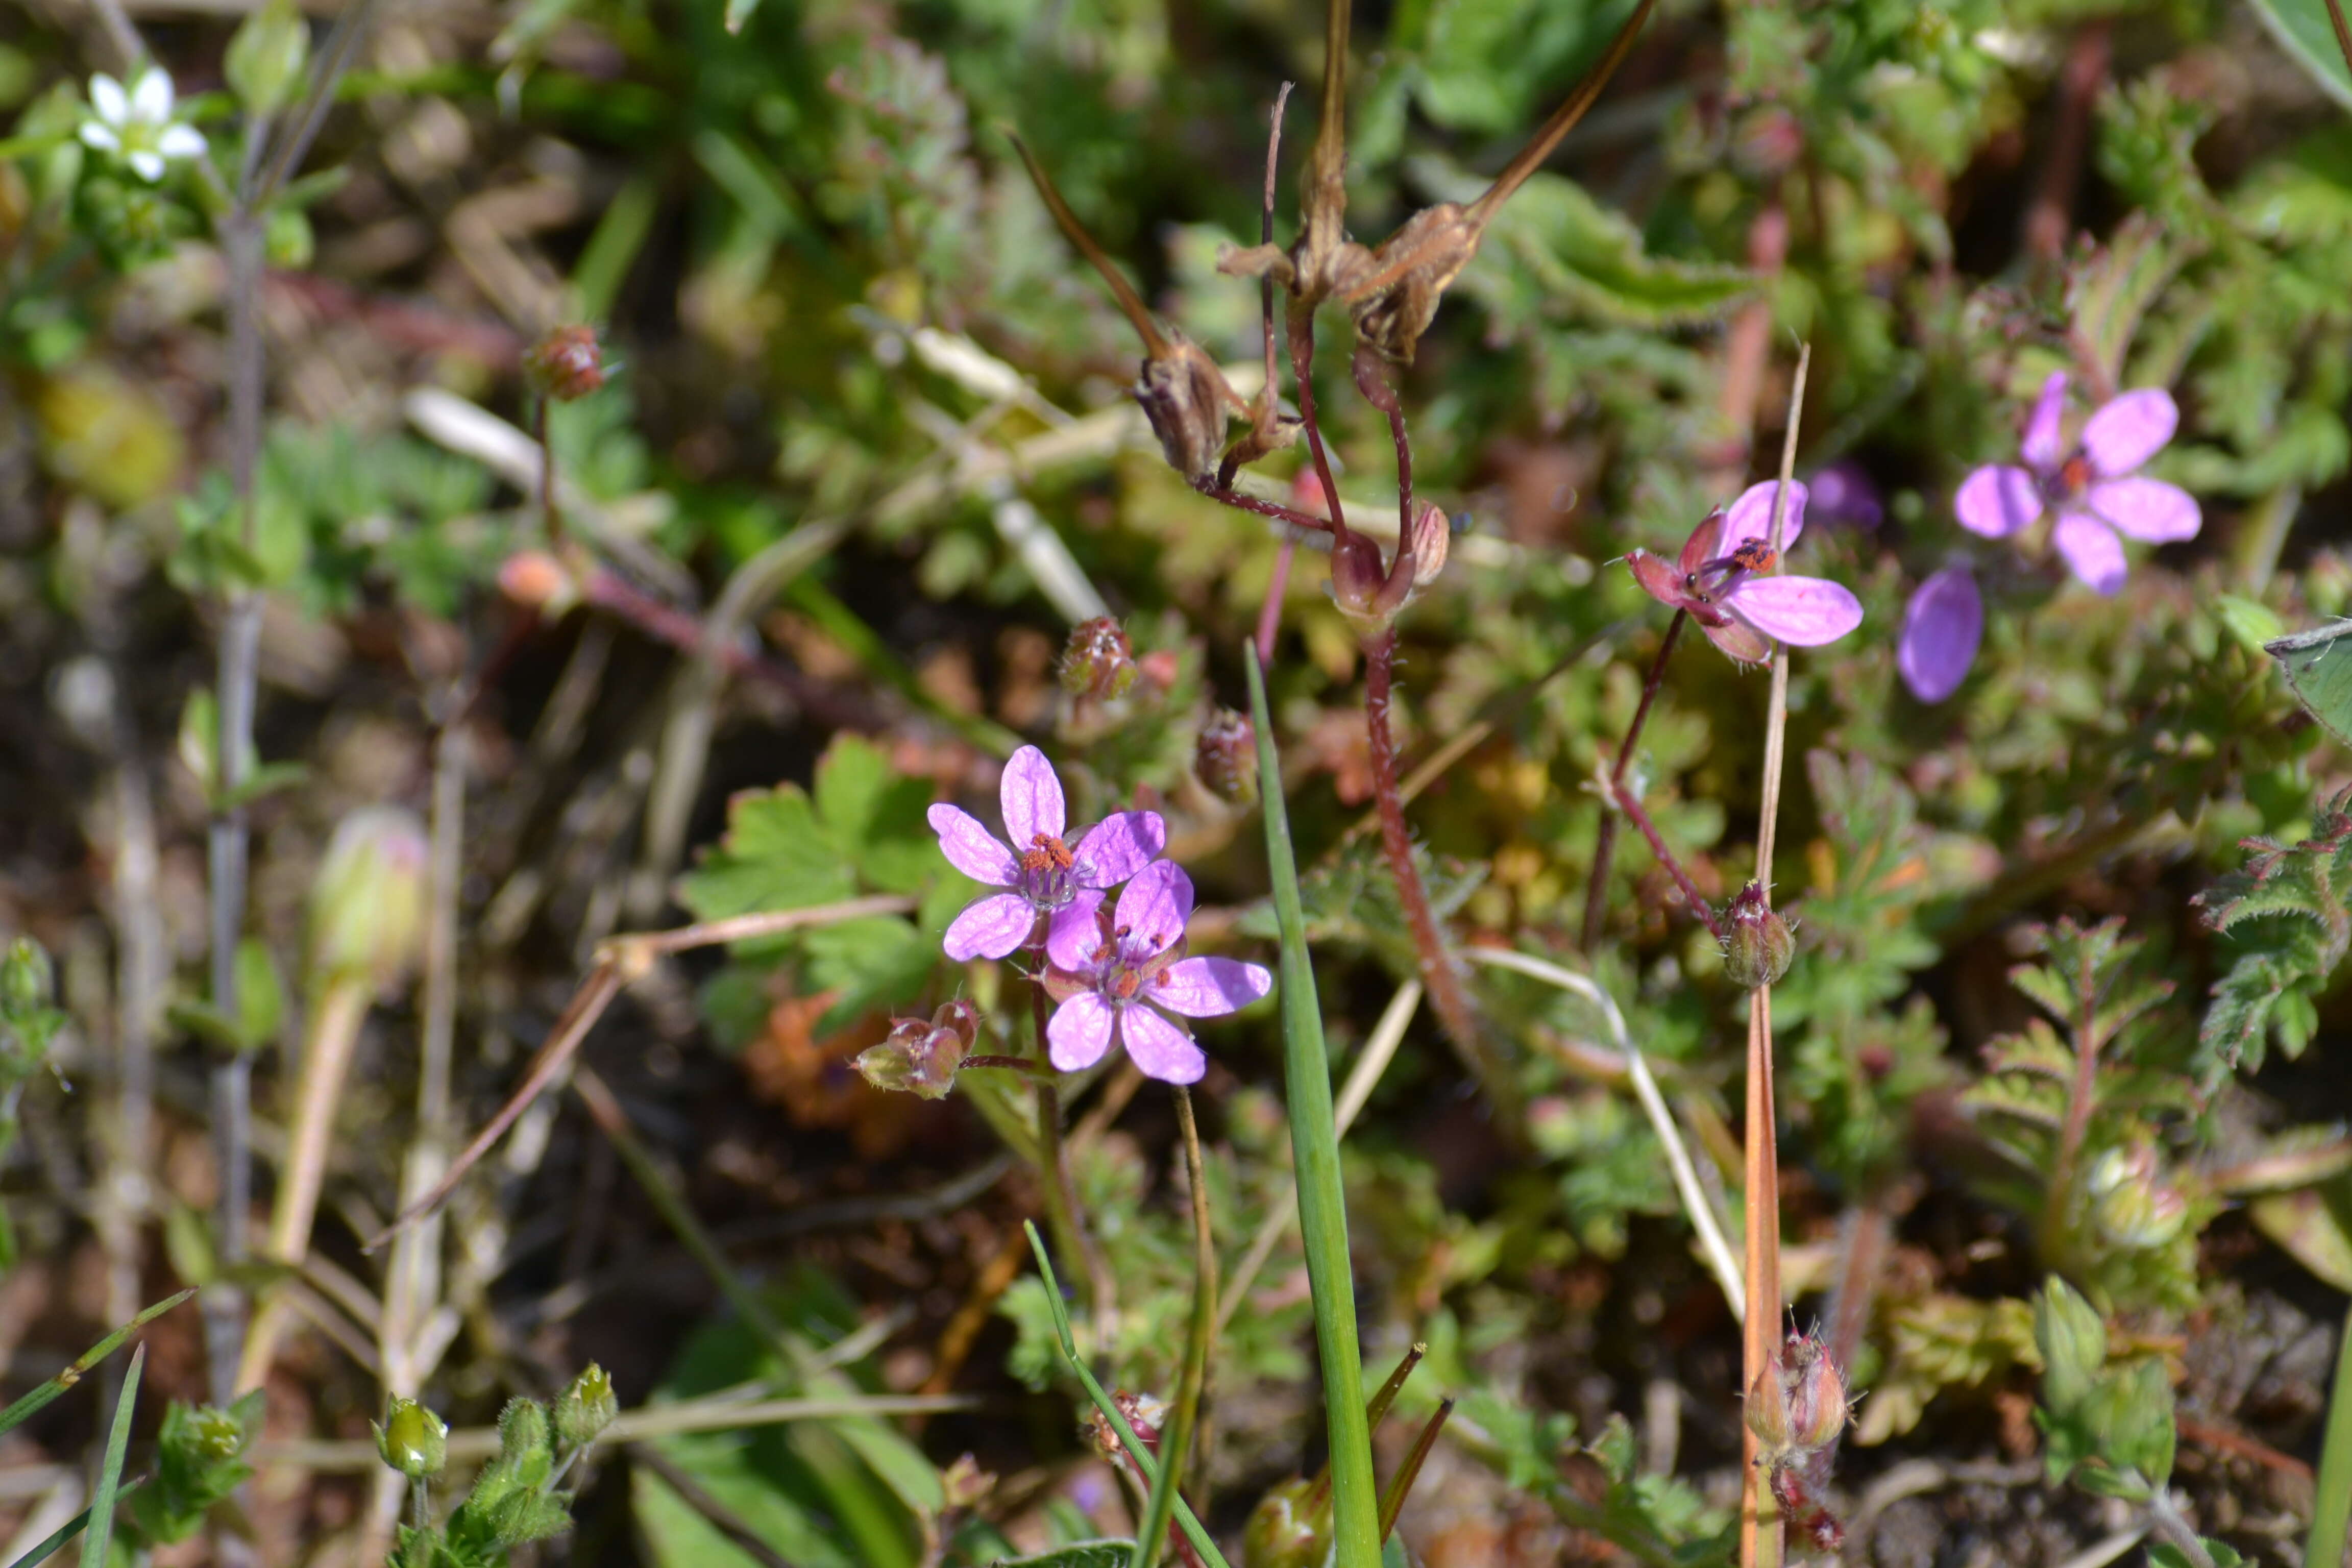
point(2051, 215)
point(1632, 807)
point(1438, 972)
point(1596, 893)
point(1275, 510)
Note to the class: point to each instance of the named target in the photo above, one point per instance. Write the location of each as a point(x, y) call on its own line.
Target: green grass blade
point(69, 1529)
point(1315, 1153)
point(1185, 1518)
point(16, 1413)
point(2331, 1509)
point(99, 1538)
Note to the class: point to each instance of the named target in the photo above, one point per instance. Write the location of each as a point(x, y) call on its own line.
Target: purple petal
point(1208, 987)
point(1119, 846)
point(2129, 431)
point(1996, 501)
point(1032, 797)
point(1160, 1048)
point(1155, 906)
point(2092, 549)
point(1806, 611)
point(971, 848)
point(1072, 934)
point(1751, 516)
point(1941, 628)
point(2041, 447)
point(1843, 493)
point(1738, 641)
point(989, 927)
point(1079, 1032)
point(2148, 509)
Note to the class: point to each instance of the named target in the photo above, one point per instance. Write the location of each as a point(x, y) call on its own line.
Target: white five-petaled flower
point(136, 124)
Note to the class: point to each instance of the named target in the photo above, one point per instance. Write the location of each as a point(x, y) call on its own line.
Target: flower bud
point(920, 1057)
point(412, 1439)
point(964, 1484)
point(1432, 538)
point(585, 1407)
point(266, 57)
point(2130, 1205)
point(367, 903)
point(1362, 587)
point(1145, 1415)
point(1757, 942)
point(1285, 1529)
point(537, 581)
point(566, 364)
point(1098, 662)
point(1226, 757)
point(24, 976)
point(1818, 1408)
point(1766, 1412)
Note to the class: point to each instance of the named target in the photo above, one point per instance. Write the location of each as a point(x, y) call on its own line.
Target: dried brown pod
point(1393, 292)
point(1184, 396)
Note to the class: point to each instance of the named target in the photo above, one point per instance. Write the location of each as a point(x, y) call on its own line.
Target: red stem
point(1269, 614)
point(1632, 808)
point(1596, 893)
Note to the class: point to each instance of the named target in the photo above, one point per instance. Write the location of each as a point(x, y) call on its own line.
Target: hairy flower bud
point(1432, 538)
point(1097, 662)
point(585, 1407)
point(1226, 757)
point(367, 903)
point(2130, 1205)
point(921, 1056)
point(566, 364)
point(1757, 942)
point(1368, 593)
point(1818, 1407)
point(412, 1439)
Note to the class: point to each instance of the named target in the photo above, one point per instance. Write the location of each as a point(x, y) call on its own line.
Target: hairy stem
point(1604, 846)
point(1438, 972)
point(1632, 807)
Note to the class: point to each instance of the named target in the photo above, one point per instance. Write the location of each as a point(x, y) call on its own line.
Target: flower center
point(1121, 964)
point(2068, 481)
point(1725, 572)
point(1049, 872)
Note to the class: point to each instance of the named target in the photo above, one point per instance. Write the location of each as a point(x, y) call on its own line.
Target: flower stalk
point(1596, 891)
point(1176, 1438)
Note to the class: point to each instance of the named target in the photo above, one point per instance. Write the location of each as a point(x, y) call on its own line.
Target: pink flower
point(1719, 579)
point(2094, 487)
point(1941, 628)
point(1046, 876)
point(1117, 975)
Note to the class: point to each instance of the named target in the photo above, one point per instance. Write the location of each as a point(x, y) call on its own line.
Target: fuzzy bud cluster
point(566, 364)
point(1797, 1408)
point(1757, 943)
point(1224, 759)
point(1098, 662)
point(921, 1056)
point(585, 1407)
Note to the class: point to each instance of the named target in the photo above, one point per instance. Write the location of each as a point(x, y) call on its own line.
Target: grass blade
point(99, 1538)
point(1185, 1518)
point(2331, 1510)
point(69, 1529)
point(16, 1413)
point(1315, 1153)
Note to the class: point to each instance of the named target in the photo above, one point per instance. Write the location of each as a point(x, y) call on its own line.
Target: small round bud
point(566, 364)
point(958, 1018)
point(1098, 661)
point(919, 1056)
point(537, 581)
point(367, 903)
point(1766, 1412)
point(1818, 1407)
point(1226, 757)
point(1757, 942)
point(1360, 585)
point(585, 1407)
point(412, 1439)
point(2131, 1206)
point(1432, 540)
point(24, 976)
point(964, 1484)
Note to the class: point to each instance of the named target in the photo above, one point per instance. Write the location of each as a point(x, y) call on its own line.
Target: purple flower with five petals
point(1123, 973)
point(2094, 487)
point(1720, 579)
point(1044, 874)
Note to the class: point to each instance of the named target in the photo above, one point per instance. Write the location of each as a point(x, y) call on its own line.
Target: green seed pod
point(585, 1407)
point(1757, 943)
point(412, 1439)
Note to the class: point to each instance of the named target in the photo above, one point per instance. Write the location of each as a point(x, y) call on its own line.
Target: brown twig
point(2343, 32)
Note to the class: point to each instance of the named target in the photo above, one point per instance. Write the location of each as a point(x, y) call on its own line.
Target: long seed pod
point(1183, 394)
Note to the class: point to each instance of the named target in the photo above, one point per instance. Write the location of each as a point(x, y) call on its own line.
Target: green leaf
point(2323, 684)
point(2304, 30)
point(775, 855)
point(1553, 249)
point(1079, 1554)
point(98, 1538)
point(16, 1415)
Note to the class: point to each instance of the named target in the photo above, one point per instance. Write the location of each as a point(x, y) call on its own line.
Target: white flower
point(136, 125)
